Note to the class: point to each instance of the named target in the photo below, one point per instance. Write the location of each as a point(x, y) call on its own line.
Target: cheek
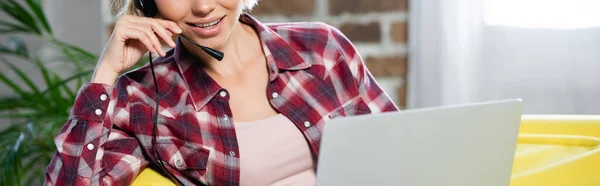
point(234, 9)
point(232, 5)
point(173, 10)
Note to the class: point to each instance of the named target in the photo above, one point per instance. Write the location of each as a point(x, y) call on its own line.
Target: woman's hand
point(132, 37)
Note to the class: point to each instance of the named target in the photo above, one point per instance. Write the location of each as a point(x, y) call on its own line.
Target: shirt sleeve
point(370, 92)
point(90, 150)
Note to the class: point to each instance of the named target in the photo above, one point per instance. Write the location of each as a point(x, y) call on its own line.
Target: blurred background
point(424, 53)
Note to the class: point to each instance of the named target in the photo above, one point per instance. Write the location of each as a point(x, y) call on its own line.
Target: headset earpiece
point(148, 7)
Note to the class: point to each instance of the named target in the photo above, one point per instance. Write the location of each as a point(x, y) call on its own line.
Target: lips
point(209, 28)
point(207, 25)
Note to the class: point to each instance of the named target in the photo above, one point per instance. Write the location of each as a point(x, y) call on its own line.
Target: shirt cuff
point(93, 100)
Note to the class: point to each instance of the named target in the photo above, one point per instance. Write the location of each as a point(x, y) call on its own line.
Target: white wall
point(78, 22)
point(554, 71)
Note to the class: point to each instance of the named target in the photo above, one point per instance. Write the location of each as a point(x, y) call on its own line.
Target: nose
point(203, 7)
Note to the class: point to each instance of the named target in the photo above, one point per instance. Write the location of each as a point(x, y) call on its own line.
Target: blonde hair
point(127, 7)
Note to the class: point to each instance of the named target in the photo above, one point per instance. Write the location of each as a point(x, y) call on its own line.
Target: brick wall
point(378, 28)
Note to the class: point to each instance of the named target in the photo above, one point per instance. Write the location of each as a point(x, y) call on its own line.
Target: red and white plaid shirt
point(315, 75)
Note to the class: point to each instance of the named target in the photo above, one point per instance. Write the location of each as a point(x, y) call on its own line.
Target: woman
point(254, 118)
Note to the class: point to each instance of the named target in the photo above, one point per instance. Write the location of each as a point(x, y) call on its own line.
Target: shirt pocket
point(355, 106)
point(188, 160)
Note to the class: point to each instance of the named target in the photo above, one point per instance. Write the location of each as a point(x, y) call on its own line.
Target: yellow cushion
point(553, 150)
point(557, 150)
point(149, 177)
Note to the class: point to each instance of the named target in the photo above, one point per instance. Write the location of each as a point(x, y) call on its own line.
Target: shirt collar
point(280, 55)
point(278, 50)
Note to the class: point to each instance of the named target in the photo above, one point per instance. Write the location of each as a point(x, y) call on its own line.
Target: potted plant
point(35, 111)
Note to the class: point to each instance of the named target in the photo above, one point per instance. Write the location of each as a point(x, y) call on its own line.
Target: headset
point(149, 9)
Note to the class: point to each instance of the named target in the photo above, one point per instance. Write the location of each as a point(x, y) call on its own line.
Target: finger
point(156, 43)
point(128, 29)
point(139, 35)
point(169, 25)
point(161, 31)
point(151, 35)
point(172, 26)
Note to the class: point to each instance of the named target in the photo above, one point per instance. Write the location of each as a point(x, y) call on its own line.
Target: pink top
point(274, 152)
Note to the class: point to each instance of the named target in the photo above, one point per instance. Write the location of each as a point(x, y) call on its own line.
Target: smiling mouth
point(207, 25)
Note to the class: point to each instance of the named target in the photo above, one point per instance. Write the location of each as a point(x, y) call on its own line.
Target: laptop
point(464, 145)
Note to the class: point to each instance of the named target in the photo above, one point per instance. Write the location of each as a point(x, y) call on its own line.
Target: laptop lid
point(462, 145)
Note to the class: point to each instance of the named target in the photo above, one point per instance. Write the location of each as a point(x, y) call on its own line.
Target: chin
point(214, 42)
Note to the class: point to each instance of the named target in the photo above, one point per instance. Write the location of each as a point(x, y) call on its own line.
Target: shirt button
point(223, 94)
point(307, 124)
point(231, 153)
point(178, 163)
point(90, 146)
point(225, 117)
point(275, 95)
point(98, 112)
point(103, 97)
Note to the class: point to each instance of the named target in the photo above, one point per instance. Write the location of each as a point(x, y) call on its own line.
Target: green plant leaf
point(18, 45)
point(8, 173)
point(78, 56)
point(21, 75)
point(38, 177)
point(76, 53)
point(64, 85)
point(8, 82)
point(13, 128)
point(61, 102)
point(10, 134)
point(9, 142)
point(12, 103)
point(54, 93)
point(7, 28)
point(16, 11)
point(15, 166)
point(23, 115)
point(7, 50)
point(65, 81)
point(36, 7)
point(33, 99)
point(69, 92)
point(32, 163)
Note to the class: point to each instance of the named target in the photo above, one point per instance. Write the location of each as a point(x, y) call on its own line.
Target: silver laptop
point(466, 145)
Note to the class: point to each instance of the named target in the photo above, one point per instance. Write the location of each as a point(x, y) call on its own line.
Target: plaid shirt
point(315, 75)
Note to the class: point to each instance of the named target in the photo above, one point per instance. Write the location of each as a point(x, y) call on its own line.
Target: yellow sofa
point(557, 150)
point(552, 150)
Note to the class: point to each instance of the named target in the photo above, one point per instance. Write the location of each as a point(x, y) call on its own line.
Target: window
point(545, 14)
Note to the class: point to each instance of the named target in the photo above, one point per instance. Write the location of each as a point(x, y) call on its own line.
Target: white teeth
point(209, 24)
